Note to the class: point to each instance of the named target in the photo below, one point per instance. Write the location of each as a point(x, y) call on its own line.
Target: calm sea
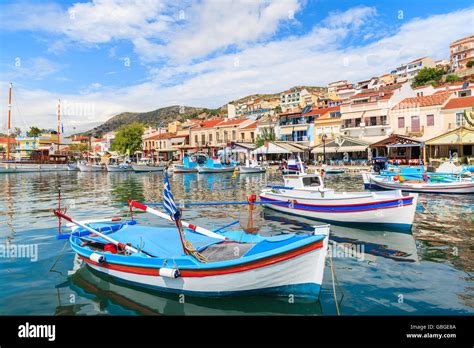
point(428, 271)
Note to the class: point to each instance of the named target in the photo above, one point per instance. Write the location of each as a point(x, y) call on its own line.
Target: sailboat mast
point(9, 120)
point(59, 124)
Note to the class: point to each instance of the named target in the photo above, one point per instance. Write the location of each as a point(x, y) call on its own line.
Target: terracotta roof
point(232, 122)
point(252, 125)
point(456, 103)
point(418, 59)
point(160, 136)
point(386, 94)
point(5, 140)
point(429, 100)
point(98, 140)
point(322, 111)
point(209, 123)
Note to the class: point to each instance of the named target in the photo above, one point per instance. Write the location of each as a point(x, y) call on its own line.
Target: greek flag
point(168, 201)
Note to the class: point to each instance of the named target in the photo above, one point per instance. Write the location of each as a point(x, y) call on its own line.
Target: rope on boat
point(333, 276)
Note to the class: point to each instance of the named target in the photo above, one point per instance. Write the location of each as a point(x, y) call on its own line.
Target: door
point(415, 123)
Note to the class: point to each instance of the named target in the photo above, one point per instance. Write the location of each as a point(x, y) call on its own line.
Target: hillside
point(151, 118)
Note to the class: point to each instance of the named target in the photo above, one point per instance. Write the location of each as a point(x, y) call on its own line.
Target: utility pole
point(9, 120)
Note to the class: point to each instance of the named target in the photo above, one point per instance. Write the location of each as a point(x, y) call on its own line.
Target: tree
point(470, 64)
point(128, 139)
point(453, 78)
point(35, 132)
point(427, 75)
point(2, 149)
point(277, 109)
point(268, 134)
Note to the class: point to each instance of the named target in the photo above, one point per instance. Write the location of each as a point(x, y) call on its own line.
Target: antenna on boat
point(9, 120)
point(59, 122)
point(302, 171)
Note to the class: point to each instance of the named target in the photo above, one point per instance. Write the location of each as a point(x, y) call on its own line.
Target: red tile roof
point(322, 111)
point(457, 103)
point(98, 140)
point(160, 136)
point(232, 122)
point(429, 100)
point(252, 125)
point(5, 140)
point(209, 123)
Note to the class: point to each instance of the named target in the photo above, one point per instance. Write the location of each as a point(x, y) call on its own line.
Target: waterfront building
point(461, 52)
point(80, 139)
point(296, 126)
point(228, 131)
point(453, 112)
point(327, 124)
point(420, 117)
point(457, 142)
point(366, 115)
point(203, 136)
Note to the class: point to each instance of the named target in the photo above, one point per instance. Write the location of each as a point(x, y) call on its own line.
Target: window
point(234, 135)
point(242, 136)
point(459, 119)
point(203, 138)
point(196, 139)
point(311, 181)
point(252, 136)
point(401, 122)
point(210, 137)
point(430, 120)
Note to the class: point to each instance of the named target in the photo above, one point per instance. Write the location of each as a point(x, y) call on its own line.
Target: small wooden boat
point(252, 168)
point(190, 163)
point(90, 167)
point(228, 263)
point(146, 165)
point(22, 167)
point(72, 167)
point(215, 166)
point(459, 186)
point(305, 195)
point(334, 170)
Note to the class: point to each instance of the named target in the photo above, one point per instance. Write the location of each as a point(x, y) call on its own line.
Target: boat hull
point(90, 168)
point(251, 170)
point(387, 209)
point(209, 170)
point(31, 168)
point(147, 169)
point(112, 168)
point(300, 275)
point(458, 187)
point(182, 169)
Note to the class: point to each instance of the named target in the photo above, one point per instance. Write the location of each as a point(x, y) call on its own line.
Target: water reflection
point(107, 292)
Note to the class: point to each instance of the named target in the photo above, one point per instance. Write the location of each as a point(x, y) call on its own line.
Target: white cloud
point(36, 68)
point(315, 58)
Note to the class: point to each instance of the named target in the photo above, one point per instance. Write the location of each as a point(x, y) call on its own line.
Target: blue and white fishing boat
point(305, 195)
point(188, 259)
point(190, 163)
point(451, 185)
point(216, 166)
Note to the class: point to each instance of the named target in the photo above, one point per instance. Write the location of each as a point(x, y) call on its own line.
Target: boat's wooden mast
point(59, 124)
point(9, 120)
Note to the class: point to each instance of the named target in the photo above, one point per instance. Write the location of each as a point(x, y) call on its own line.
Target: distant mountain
point(160, 116)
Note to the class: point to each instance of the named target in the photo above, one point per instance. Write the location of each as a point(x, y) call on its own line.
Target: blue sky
point(103, 57)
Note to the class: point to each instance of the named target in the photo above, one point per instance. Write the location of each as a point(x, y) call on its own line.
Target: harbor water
point(377, 271)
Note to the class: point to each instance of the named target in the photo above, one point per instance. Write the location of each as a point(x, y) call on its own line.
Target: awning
point(286, 131)
point(350, 115)
point(376, 113)
point(271, 149)
point(178, 140)
point(341, 149)
point(404, 145)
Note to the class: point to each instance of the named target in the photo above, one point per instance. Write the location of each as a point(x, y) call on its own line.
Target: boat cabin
point(304, 181)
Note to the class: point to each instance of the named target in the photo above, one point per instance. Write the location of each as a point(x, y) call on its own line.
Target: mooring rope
point(333, 283)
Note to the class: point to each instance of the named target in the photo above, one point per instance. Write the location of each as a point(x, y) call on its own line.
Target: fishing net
point(226, 251)
point(251, 218)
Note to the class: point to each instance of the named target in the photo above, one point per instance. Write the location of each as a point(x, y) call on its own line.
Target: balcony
point(415, 131)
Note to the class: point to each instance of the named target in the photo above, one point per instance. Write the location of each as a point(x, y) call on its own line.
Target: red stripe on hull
point(213, 271)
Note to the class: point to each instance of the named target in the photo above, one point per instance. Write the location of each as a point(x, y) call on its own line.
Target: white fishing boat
point(454, 186)
point(117, 164)
point(72, 167)
point(305, 195)
point(215, 166)
point(90, 167)
point(252, 167)
point(19, 167)
point(146, 165)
